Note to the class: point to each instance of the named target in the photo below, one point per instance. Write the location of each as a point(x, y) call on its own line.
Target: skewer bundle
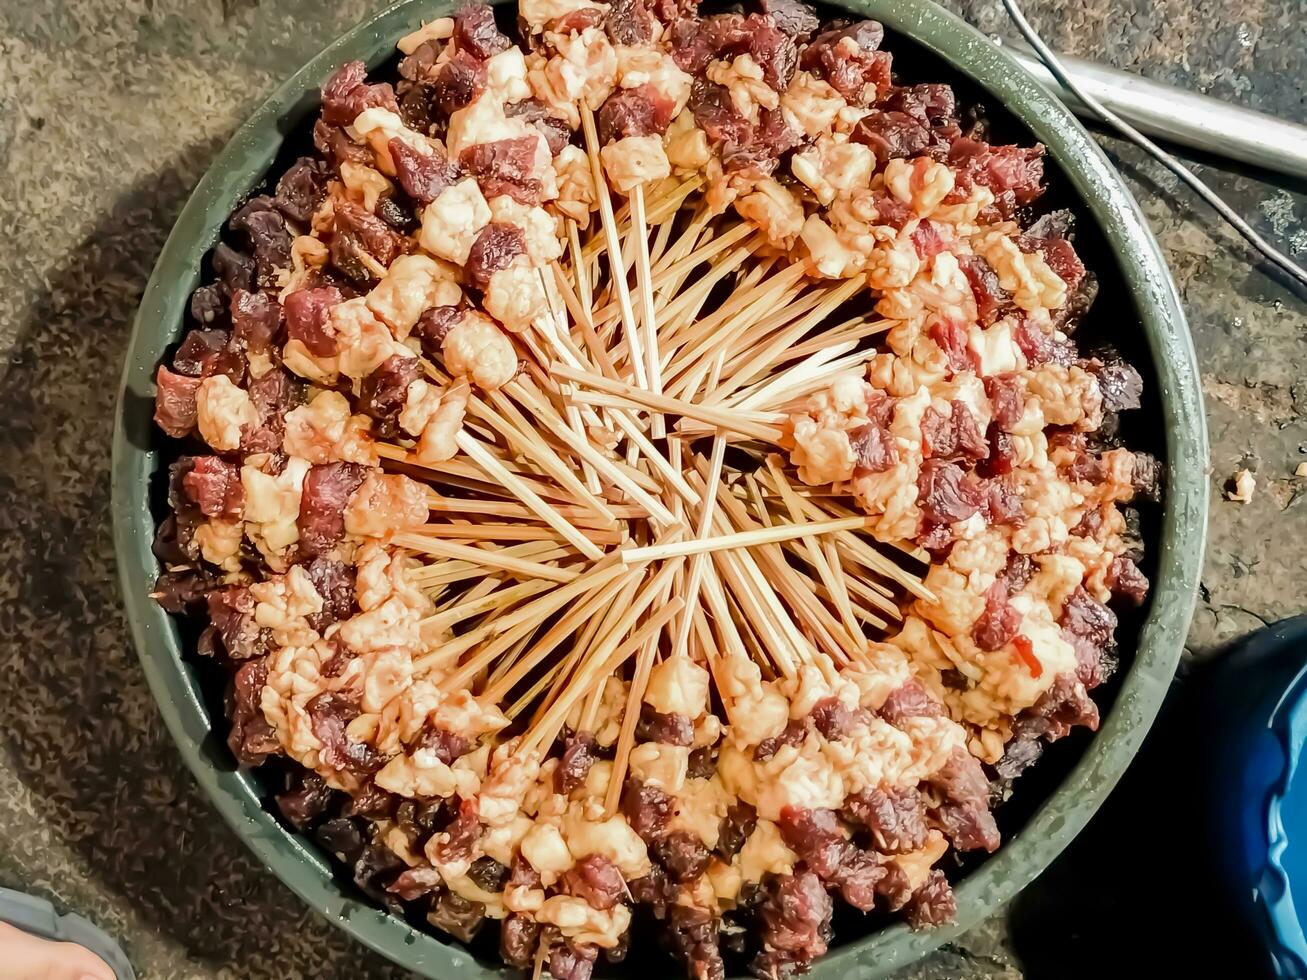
point(527, 472)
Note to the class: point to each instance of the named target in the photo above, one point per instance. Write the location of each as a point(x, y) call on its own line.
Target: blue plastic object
point(1261, 788)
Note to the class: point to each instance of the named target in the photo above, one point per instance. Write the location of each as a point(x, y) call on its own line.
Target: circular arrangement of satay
point(645, 469)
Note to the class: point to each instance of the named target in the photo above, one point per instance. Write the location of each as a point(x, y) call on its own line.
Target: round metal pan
point(1138, 311)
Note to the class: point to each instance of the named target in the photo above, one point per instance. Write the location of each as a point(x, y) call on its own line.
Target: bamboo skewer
point(463, 506)
point(680, 644)
point(479, 591)
point(858, 328)
point(639, 234)
point(740, 539)
point(799, 593)
point(528, 442)
point(868, 592)
point(861, 552)
point(461, 473)
point(736, 422)
point(676, 310)
point(484, 558)
point(528, 496)
point(765, 324)
point(475, 606)
point(662, 238)
point(501, 631)
point(738, 377)
point(580, 310)
point(661, 206)
point(780, 302)
point(822, 557)
point(542, 551)
point(530, 616)
point(674, 478)
point(445, 573)
point(718, 245)
point(661, 280)
point(579, 266)
point(757, 593)
point(534, 690)
point(840, 591)
point(646, 640)
point(573, 413)
point(770, 643)
point(784, 387)
point(726, 323)
point(619, 476)
point(614, 245)
point(588, 494)
point(598, 625)
point(509, 532)
point(611, 586)
point(800, 589)
point(591, 710)
point(599, 662)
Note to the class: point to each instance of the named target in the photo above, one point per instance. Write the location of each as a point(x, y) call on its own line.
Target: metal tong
point(1251, 139)
point(1176, 115)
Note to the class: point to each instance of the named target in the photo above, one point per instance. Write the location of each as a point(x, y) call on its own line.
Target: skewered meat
point(418, 379)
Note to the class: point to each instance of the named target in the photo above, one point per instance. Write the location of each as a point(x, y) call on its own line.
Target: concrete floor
point(109, 112)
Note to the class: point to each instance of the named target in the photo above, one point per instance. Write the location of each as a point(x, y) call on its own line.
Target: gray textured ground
point(109, 112)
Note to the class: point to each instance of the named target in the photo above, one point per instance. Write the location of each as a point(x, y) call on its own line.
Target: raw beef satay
point(631, 124)
point(344, 342)
point(425, 230)
point(540, 15)
point(575, 65)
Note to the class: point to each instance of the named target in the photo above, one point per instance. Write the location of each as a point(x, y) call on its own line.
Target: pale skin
point(27, 957)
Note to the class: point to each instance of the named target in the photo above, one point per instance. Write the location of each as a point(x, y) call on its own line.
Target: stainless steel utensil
point(1099, 110)
point(1175, 115)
